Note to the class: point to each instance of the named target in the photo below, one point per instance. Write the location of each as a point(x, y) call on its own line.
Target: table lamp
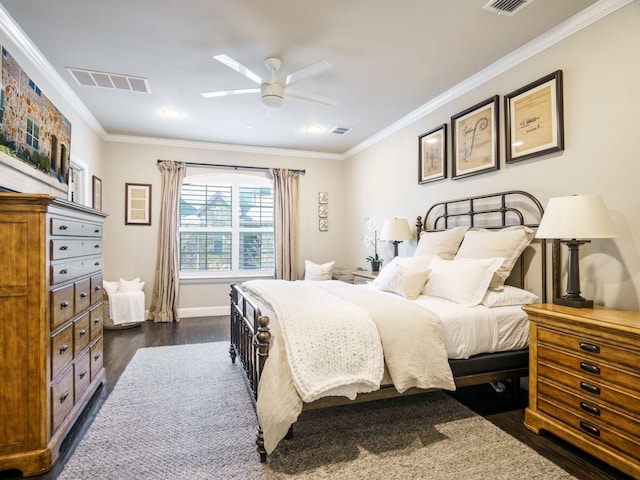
point(395, 230)
point(575, 220)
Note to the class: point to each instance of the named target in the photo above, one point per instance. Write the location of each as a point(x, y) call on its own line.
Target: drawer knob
point(96, 321)
point(64, 305)
point(587, 427)
point(64, 247)
point(83, 332)
point(96, 246)
point(97, 230)
point(97, 264)
point(96, 356)
point(588, 367)
point(83, 374)
point(63, 348)
point(64, 271)
point(64, 396)
point(592, 409)
point(590, 388)
point(97, 288)
point(83, 295)
point(589, 347)
point(63, 227)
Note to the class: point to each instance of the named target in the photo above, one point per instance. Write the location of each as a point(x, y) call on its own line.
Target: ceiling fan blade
point(312, 97)
point(224, 93)
point(314, 69)
point(238, 67)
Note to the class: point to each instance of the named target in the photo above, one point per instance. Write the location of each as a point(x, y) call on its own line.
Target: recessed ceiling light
point(171, 113)
point(314, 129)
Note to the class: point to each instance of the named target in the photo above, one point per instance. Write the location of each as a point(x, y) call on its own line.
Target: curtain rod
point(234, 167)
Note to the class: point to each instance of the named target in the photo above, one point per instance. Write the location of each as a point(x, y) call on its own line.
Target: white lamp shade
point(396, 229)
point(576, 217)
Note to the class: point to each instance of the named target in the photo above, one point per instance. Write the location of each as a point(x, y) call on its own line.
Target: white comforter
point(411, 339)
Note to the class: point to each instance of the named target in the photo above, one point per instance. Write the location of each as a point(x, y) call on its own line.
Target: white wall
point(601, 68)
point(131, 250)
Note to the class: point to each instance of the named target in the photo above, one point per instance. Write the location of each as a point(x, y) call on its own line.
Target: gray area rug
point(184, 412)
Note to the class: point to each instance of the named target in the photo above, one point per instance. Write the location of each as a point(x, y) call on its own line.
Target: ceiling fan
point(272, 90)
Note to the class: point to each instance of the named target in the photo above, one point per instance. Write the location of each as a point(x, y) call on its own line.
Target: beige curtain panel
point(166, 284)
point(285, 198)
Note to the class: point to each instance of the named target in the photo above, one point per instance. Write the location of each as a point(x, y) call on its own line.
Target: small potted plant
point(374, 259)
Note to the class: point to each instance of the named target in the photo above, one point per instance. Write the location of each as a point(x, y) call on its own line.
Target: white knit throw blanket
point(333, 346)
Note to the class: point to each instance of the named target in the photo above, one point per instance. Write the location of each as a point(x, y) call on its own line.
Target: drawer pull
point(588, 367)
point(83, 332)
point(64, 396)
point(592, 409)
point(96, 321)
point(63, 227)
point(97, 264)
point(96, 246)
point(587, 427)
point(96, 230)
point(64, 247)
point(64, 305)
point(83, 374)
point(63, 348)
point(96, 357)
point(589, 347)
point(97, 288)
point(83, 295)
point(590, 388)
point(64, 271)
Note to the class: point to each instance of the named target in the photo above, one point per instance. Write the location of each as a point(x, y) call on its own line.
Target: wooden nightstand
point(363, 276)
point(584, 380)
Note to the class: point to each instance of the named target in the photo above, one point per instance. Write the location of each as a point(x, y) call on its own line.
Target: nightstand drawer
point(589, 347)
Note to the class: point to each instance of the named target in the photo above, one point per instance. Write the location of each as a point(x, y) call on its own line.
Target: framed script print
point(534, 119)
point(432, 155)
point(137, 204)
point(474, 135)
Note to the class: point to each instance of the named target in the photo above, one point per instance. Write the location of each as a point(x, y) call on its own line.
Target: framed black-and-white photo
point(432, 155)
point(475, 139)
point(534, 119)
point(137, 204)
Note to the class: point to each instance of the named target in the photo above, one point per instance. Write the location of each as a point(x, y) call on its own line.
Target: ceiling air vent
point(340, 130)
point(506, 7)
point(89, 78)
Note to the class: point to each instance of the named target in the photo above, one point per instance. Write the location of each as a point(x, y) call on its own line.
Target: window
point(226, 226)
point(35, 87)
point(33, 134)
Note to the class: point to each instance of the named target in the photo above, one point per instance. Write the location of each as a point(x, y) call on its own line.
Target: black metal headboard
point(491, 211)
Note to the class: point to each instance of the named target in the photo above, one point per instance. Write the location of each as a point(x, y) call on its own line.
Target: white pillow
point(404, 281)
point(110, 287)
point(509, 295)
point(314, 271)
point(508, 243)
point(134, 285)
point(411, 263)
point(464, 281)
point(444, 244)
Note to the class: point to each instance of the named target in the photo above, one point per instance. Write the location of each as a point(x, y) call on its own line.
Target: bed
point(492, 346)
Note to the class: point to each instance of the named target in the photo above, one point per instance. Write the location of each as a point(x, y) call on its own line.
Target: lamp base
point(573, 302)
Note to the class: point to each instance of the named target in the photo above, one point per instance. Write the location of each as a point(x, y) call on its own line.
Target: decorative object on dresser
point(96, 193)
point(584, 380)
point(396, 230)
point(574, 220)
point(50, 322)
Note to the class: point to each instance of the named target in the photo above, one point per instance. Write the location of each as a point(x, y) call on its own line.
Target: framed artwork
point(323, 224)
point(323, 211)
point(475, 139)
point(534, 122)
point(96, 193)
point(137, 204)
point(432, 155)
point(323, 198)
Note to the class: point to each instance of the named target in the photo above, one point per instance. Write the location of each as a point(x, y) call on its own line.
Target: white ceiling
point(389, 58)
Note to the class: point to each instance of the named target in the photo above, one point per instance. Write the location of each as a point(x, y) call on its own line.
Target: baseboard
point(203, 311)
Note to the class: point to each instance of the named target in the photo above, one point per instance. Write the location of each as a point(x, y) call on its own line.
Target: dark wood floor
point(121, 345)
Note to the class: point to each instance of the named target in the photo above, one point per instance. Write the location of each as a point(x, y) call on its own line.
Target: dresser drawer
point(96, 289)
point(95, 323)
point(81, 296)
point(96, 358)
point(74, 228)
point(61, 350)
point(62, 248)
point(68, 271)
point(81, 334)
point(589, 408)
point(596, 389)
point(82, 374)
point(61, 305)
point(62, 398)
point(592, 429)
point(589, 347)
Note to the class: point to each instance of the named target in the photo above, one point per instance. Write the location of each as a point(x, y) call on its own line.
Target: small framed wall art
point(137, 204)
point(534, 119)
point(475, 139)
point(432, 155)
